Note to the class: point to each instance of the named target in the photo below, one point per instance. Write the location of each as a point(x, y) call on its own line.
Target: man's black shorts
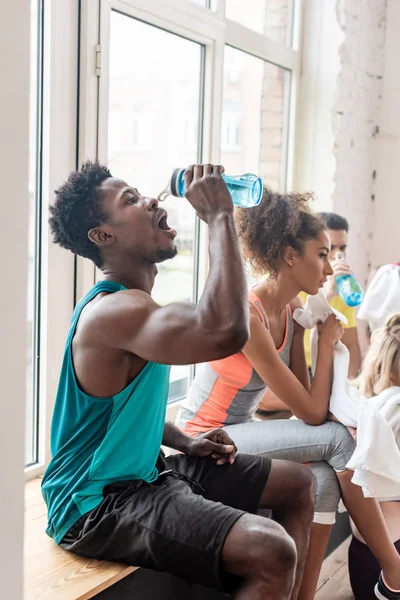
point(176, 524)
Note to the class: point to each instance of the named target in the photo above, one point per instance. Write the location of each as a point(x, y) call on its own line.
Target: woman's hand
point(331, 331)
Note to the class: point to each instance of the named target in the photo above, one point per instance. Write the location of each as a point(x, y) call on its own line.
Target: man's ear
point(100, 237)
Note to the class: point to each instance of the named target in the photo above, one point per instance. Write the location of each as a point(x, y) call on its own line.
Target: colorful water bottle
point(348, 287)
point(246, 190)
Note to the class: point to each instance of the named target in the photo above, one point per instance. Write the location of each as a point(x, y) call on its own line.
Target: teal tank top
point(97, 441)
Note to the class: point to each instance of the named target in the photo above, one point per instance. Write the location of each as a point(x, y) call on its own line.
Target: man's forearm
point(224, 302)
point(175, 438)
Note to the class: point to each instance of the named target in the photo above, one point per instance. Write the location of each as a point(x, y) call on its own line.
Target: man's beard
point(165, 254)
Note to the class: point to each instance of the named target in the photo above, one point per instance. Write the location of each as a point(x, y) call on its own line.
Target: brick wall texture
point(356, 121)
point(273, 103)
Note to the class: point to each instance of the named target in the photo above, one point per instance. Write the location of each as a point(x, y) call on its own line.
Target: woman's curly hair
point(280, 220)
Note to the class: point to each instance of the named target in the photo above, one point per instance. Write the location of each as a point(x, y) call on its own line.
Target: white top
point(382, 298)
point(376, 460)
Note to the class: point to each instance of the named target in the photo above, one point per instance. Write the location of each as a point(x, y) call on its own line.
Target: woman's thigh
point(295, 440)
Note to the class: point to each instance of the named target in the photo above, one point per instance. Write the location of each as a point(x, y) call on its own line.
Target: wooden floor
point(334, 579)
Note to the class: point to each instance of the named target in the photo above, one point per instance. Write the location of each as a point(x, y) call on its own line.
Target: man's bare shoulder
point(126, 300)
point(115, 310)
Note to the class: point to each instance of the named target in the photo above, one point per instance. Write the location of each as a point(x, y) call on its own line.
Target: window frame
point(37, 230)
point(199, 24)
point(59, 157)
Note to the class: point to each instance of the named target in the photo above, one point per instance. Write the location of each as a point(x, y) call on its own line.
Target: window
point(255, 117)
point(231, 134)
point(272, 18)
point(159, 134)
point(182, 82)
point(205, 3)
point(130, 130)
point(34, 246)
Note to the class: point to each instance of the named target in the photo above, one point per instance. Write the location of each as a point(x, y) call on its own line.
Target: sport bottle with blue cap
point(246, 190)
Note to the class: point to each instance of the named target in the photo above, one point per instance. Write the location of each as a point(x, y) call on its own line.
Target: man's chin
point(166, 254)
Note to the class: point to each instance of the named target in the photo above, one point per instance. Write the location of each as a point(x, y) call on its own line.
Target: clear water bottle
point(348, 287)
point(246, 190)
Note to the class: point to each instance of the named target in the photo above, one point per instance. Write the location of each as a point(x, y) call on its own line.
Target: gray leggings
point(327, 447)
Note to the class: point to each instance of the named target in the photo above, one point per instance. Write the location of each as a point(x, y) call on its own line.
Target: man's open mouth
point(162, 224)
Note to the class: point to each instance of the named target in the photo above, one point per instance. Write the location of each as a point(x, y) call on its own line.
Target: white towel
point(376, 460)
point(344, 403)
point(382, 297)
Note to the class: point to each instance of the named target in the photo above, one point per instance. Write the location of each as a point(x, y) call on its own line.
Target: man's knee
point(271, 551)
point(306, 483)
point(290, 486)
point(259, 548)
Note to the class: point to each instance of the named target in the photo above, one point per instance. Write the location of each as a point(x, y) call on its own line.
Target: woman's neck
point(275, 294)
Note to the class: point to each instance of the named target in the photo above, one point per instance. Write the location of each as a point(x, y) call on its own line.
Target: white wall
point(315, 162)
point(357, 114)
point(14, 135)
point(386, 230)
point(350, 90)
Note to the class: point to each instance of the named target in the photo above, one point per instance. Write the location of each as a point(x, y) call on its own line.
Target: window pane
point(154, 108)
point(206, 3)
point(254, 117)
point(34, 238)
point(269, 17)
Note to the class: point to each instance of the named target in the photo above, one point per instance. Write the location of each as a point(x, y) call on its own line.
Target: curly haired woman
point(282, 237)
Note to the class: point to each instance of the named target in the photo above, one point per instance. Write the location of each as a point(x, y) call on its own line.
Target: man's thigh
point(286, 482)
point(239, 485)
point(163, 526)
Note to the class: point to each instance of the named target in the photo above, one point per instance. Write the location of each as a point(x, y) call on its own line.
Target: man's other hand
point(215, 443)
point(339, 268)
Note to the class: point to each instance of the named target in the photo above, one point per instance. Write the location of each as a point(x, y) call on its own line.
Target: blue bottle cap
point(176, 178)
point(257, 191)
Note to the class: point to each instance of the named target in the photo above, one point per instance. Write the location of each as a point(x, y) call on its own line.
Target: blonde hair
point(382, 362)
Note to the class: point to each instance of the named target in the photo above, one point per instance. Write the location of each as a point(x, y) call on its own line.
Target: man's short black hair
point(334, 221)
point(78, 208)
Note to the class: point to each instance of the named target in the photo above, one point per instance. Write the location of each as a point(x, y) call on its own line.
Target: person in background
point(381, 371)
point(362, 564)
point(382, 298)
point(337, 227)
point(363, 330)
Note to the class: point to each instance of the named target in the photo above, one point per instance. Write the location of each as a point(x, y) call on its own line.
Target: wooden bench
point(51, 572)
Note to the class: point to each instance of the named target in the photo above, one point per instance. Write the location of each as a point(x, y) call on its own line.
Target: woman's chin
point(312, 291)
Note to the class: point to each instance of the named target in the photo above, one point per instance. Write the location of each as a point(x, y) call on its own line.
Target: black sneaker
point(382, 591)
